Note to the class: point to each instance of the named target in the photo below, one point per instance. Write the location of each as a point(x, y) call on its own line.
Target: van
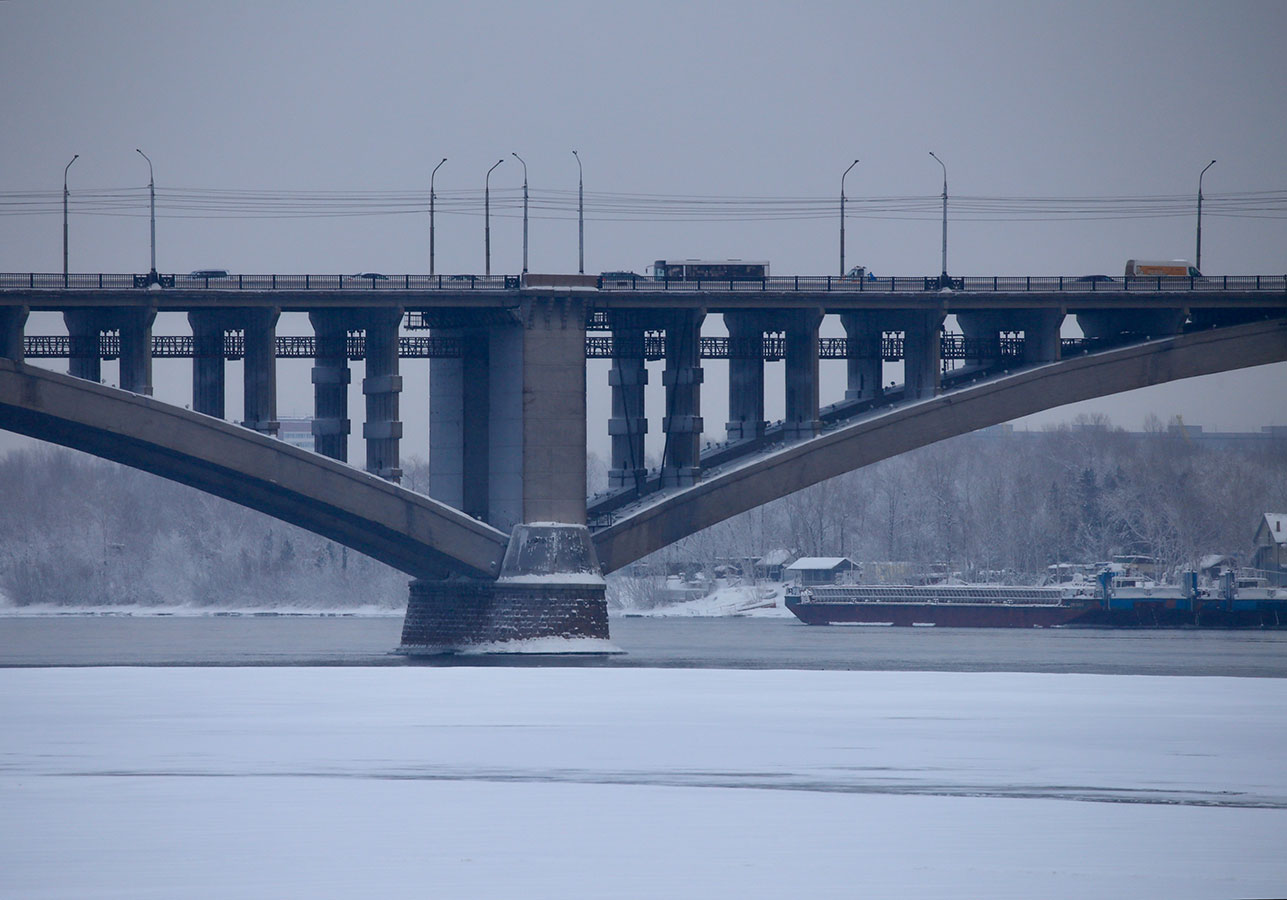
point(1165, 268)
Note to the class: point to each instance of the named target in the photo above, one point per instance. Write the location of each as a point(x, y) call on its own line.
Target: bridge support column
point(13, 322)
point(260, 370)
point(136, 350)
point(1041, 341)
point(745, 376)
point(982, 333)
point(922, 354)
point(865, 358)
point(209, 332)
point(381, 386)
point(553, 410)
point(458, 425)
point(682, 423)
point(802, 375)
point(331, 377)
point(628, 425)
point(549, 599)
point(85, 328)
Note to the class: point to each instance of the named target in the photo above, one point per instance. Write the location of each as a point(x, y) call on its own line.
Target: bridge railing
point(779, 284)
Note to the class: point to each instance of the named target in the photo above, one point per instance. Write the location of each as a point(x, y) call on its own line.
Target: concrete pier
point(682, 377)
point(628, 425)
point(745, 376)
point(260, 370)
point(381, 387)
point(331, 378)
point(865, 362)
point(13, 323)
point(801, 420)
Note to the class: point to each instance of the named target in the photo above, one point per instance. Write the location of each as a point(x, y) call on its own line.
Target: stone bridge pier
point(507, 445)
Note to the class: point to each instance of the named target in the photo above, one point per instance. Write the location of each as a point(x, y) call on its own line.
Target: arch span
point(907, 427)
point(411, 532)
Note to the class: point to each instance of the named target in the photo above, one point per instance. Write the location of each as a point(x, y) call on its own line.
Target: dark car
point(618, 279)
point(209, 273)
point(1089, 278)
point(374, 276)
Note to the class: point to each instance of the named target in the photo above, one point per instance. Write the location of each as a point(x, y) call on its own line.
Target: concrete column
point(683, 380)
point(865, 359)
point(1041, 342)
point(136, 350)
point(982, 332)
point(922, 354)
point(553, 368)
point(331, 377)
point(261, 370)
point(629, 423)
point(381, 386)
point(446, 425)
point(459, 428)
point(802, 375)
point(85, 328)
point(745, 376)
point(13, 322)
point(208, 383)
point(502, 429)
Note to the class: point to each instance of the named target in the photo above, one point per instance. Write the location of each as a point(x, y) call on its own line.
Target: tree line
point(79, 531)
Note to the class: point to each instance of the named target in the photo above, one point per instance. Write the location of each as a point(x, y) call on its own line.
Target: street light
point(151, 190)
point(1198, 262)
point(520, 159)
point(842, 218)
point(943, 279)
point(431, 199)
point(73, 159)
point(487, 219)
point(580, 214)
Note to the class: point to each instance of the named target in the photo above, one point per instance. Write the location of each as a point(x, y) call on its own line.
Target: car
point(857, 273)
point(460, 277)
point(374, 276)
point(1088, 278)
point(209, 273)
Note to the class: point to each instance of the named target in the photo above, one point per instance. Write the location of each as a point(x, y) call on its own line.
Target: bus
point(709, 270)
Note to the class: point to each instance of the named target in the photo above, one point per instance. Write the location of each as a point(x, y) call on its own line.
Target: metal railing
point(778, 284)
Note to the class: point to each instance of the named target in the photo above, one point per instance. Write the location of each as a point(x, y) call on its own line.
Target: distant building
point(296, 431)
point(770, 566)
point(810, 570)
point(1271, 548)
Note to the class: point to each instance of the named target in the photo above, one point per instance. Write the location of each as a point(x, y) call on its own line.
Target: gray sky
point(1019, 100)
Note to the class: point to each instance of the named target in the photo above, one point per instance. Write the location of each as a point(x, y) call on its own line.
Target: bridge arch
point(914, 425)
point(406, 530)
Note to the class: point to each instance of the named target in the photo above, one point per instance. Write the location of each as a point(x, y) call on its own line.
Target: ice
point(573, 782)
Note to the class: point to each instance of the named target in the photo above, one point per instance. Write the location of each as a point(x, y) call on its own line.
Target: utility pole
point(431, 199)
point(580, 214)
point(1197, 263)
point(842, 218)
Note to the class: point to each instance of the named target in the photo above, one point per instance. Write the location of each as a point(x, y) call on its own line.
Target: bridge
point(507, 401)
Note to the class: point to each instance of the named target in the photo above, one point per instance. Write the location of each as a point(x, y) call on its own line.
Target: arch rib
point(908, 427)
point(411, 532)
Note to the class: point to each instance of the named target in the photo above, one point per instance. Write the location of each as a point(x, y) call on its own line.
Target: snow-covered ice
point(484, 782)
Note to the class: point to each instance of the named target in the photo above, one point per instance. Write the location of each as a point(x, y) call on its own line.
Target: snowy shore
point(637, 783)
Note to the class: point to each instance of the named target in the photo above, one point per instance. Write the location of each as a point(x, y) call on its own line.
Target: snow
point(583, 578)
point(574, 782)
point(816, 562)
point(545, 645)
point(726, 600)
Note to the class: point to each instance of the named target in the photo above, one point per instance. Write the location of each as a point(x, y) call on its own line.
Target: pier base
point(549, 599)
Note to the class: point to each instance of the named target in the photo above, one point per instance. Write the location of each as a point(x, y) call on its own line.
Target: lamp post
point(487, 219)
point(69, 165)
point(520, 159)
point(943, 279)
point(1197, 263)
point(580, 214)
point(151, 190)
point(431, 199)
point(842, 218)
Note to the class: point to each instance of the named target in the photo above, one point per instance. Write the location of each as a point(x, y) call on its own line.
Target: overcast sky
point(724, 99)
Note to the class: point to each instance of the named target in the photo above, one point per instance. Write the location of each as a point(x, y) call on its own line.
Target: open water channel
point(700, 643)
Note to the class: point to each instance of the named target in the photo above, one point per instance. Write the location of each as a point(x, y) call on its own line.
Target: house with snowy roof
point(811, 570)
point(1270, 554)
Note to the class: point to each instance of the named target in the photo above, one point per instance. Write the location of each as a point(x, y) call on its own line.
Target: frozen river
point(730, 780)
